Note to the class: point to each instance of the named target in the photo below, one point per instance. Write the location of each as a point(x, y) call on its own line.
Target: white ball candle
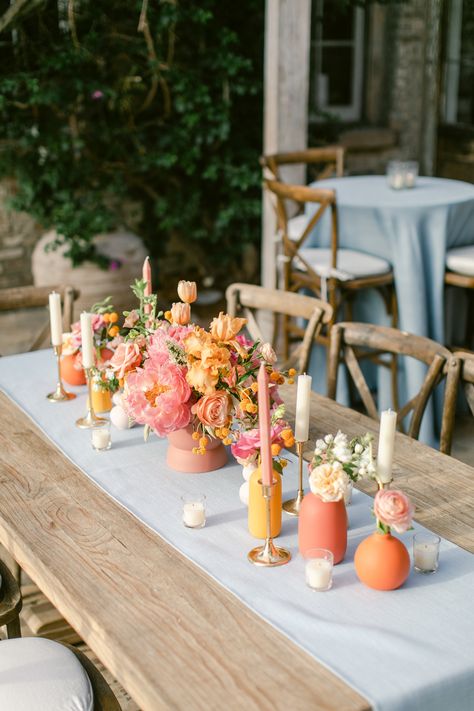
point(56, 319)
point(388, 426)
point(87, 340)
point(303, 406)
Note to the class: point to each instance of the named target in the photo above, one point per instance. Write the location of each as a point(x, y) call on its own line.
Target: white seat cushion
point(461, 260)
point(296, 226)
point(40, 675)
point(350, 264)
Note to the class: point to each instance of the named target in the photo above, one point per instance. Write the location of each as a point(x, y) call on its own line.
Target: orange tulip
point(187, 291)
point(181, 314)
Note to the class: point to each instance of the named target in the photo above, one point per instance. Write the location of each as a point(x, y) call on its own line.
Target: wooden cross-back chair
point(459, 373)
point(327, 161)
point(244, 299)
point(350, 341)
point(335, 275)
point(26, 297)
point(10, 608)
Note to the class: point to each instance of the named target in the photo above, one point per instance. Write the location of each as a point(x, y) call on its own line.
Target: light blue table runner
point(406, 650)
point(412, 229)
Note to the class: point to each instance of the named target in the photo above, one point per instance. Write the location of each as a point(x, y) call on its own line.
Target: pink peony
point(247, 446)
point(127, 357)
point(167, 336)
point(214, 410)
point(394, 509)
point(158, 395)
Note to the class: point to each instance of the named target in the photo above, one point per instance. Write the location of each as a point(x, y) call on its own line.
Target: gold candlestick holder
point(91, 419)
point(60, 394)
point(381, 485)
point(268, 554)
point(293, 506)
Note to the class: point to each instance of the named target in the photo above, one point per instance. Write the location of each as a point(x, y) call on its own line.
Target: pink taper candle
point(264, 426)
point(147, 278)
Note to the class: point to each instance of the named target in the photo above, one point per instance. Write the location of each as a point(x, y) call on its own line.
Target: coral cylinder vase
point(71, 369)
point(323, 524)
point(257, 513)
point(180, 454)
point(382, 562)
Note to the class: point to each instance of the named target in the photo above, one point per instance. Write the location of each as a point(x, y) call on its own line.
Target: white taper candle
point(388, 426)
point(56, 318)
point(87, 340)
point(303, 404)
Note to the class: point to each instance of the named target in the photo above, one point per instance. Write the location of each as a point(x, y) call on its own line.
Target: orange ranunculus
point(225, 328)
point(187, 291)
point(196, 341)
point(214, 410)
point(204, 380)
point(181, 314)
point(214, 356)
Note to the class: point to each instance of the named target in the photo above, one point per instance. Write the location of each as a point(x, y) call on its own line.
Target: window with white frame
point(458, 85)
point(337, 58)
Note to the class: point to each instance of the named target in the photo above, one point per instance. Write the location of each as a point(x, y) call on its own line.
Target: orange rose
point(187, 291)
point(181, 314)
point(224, 328)
point(214, 410)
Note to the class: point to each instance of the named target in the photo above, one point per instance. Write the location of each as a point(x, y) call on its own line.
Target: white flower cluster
point(354, 455)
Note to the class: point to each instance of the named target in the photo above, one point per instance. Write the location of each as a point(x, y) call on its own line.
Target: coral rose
point(224, 327)
point(187, 291)
point(394, 509)
point(127, 357)
point(214, 410)
point(180, 314)
point(329, 481)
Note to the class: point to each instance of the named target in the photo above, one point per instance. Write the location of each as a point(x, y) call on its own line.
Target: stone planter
point(51, 268)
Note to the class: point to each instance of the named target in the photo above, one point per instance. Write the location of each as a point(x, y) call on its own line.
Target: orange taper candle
point(264, 426)
point(147, 278)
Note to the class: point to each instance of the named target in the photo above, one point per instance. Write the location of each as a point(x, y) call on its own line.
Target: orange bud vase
point(101, 400)
point(180, 455)
point(71, 369)
point(323, 524)
point(382, 562)
point(257, 514)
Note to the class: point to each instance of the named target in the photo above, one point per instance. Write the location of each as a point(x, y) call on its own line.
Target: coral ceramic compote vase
point(381, 560)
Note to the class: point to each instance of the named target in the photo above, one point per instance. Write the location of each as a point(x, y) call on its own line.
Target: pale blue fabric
point(412, 229)
point(406, 650)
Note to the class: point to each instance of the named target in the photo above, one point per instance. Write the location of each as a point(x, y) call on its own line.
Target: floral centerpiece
point(178, 375)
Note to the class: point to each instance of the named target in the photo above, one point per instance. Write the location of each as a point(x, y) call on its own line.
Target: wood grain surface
point(170, 634)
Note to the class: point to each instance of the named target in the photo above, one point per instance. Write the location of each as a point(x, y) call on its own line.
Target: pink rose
point(127, 357)
point(213, 410)
point(246, 448)
point(393, 508)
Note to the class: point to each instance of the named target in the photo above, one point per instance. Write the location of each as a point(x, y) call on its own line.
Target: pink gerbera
point(158, 395)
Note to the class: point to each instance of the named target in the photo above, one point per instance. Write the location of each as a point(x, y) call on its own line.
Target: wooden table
point(169, 633)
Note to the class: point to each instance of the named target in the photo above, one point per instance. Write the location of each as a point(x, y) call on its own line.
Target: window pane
point(337, 65)
point(338, 22)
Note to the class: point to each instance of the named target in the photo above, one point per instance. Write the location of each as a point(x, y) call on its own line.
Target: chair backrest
point(329, 161)
point(349, 342)
point(247, 298)
point(459, 373)
point(10, 602)
point(26, 297)
point(301, 194)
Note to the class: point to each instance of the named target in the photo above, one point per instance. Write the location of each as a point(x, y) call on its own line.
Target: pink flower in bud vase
point(97, 95)
point(394, 509)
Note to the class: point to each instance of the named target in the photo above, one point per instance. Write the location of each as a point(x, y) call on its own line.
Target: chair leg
point(13, 628)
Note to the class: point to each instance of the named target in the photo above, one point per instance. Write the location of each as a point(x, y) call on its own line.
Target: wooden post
point(287, 52)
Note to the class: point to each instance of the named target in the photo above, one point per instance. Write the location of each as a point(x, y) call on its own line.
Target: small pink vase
point(181, 458)
point(323, 524)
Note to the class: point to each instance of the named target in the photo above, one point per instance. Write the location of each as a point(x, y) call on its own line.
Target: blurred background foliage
point(142, 114)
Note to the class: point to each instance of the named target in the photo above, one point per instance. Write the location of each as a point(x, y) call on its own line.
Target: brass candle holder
point(60, 394)
point(268, 554)
point(381, 485)
point(293, 506)
point(91, 419)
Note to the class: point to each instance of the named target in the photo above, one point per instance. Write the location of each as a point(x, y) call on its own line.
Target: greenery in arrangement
point(109, 110)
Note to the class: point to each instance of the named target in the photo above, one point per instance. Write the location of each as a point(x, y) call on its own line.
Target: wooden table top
point(169, 633)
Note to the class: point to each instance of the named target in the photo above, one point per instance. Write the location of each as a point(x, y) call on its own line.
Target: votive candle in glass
point(194, 510)
point(100, 436)
point(426, 552)
point(319, 563)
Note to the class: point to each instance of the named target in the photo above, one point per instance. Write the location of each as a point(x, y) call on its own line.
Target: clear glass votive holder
point(410, 173)
point(100, 437)
point(194, 510)
point(426, 552)
point(319, 563)
point(396, 174)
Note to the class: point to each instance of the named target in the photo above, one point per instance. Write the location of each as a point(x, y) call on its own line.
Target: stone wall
point(18, 236)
